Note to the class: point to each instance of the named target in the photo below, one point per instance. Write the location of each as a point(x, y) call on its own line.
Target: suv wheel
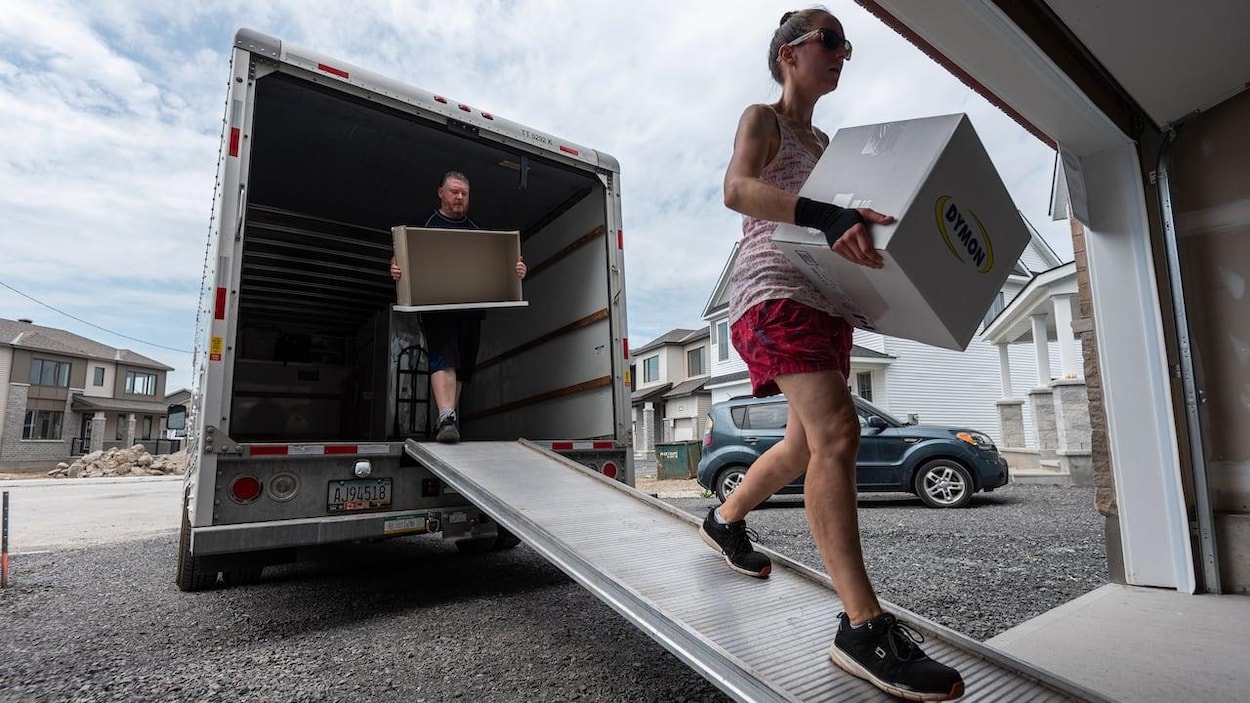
point(944, 483)
point(727, 481)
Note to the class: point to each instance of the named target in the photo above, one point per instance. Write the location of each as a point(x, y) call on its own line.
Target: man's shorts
point(452, 340)
point(780, 337)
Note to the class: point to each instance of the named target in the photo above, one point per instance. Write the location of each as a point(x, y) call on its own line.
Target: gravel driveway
point(412, 620)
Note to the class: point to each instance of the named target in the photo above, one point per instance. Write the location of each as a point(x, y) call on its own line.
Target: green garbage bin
point(677, 459)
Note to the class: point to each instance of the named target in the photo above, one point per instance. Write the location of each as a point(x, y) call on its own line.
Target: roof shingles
point(26, 335)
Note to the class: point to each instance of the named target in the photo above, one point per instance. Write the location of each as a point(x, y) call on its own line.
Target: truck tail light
point(245, 489)
point(609, 469)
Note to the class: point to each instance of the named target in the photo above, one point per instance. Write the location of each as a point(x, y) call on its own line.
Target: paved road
point(57, 514)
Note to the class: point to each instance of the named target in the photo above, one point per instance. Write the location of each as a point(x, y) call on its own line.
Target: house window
point(99, 376)
point(147, 427)
point(722, 341)
point(651, 369)
point(863, 385)
point(122, 422)
point(44, 372)
point(42, 424)
point(694, 362)
point(140, 383)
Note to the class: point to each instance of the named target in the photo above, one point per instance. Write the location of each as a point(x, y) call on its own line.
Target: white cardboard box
point(957, 235)
point(456, 269)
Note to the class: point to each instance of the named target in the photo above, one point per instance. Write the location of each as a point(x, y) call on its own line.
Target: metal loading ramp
point(755, 639)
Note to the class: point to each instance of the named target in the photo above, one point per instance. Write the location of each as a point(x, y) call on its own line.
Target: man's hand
point(856, 244)
point(396, 271)
point(520, 268)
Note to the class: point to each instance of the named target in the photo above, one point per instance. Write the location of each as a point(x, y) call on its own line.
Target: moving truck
point(308, 381)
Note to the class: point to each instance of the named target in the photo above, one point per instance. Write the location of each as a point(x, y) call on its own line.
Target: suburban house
point(667, 378)
point(983, 387)
point(66, 395)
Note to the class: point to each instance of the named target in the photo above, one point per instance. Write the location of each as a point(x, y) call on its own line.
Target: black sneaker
point(734, 541)
point(886, 653)
point(448, 432)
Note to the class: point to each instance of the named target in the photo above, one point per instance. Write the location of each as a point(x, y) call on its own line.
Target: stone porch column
point(1010, 409)
point(1073, 429)
point(97, 432)
point(648, 427)
point(1011, 423)
point(130, 430)
point(1067, 338)
point(1041, 402)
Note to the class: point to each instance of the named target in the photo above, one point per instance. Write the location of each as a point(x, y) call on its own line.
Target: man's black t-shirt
point(436, 220)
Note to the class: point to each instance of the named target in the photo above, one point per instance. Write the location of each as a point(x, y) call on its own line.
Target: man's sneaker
point(887, 654)
point(734, 541)
point(448, 432)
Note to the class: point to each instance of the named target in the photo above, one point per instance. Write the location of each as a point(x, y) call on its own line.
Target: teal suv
point(944, 466)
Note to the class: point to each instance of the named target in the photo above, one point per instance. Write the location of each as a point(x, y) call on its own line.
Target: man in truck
point(451, 338)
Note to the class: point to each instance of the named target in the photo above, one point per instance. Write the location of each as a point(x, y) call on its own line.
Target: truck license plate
point(358, 494)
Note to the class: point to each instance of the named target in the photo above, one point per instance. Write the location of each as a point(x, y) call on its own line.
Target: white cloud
point(110, 117)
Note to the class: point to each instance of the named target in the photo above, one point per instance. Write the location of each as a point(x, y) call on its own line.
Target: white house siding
point(6, 364)
point(110, 376)
point(1034, 261)
point(870, 340)
point(733, 364)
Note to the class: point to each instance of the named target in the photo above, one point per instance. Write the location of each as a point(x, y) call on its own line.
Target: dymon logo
point(964, 234)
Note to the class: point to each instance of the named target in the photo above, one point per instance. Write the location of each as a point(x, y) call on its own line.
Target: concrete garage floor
point(1141, 645)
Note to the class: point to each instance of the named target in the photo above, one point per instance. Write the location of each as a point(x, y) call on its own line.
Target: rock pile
point(134, 461)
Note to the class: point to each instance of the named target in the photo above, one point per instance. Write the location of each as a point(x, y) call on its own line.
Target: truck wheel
point(191, 573)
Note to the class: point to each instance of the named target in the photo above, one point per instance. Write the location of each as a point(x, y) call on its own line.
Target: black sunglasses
point(829, 39)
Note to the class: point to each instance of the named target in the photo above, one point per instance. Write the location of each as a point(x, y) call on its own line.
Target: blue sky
point(110, 122)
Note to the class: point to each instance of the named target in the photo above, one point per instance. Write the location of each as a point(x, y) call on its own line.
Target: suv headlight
point(976, 439)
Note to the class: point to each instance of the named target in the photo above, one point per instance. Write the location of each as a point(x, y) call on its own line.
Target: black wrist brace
point(834, 221)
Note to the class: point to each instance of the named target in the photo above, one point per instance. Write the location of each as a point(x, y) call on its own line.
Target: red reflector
point(602, 445)
point(219, 305)
point(609, 469)
point(625, 347)
point(620, 239)
point(267, 450)
point(561, 446)
point(234, 141)
point(488, 116)
point(245, 488)
point(568, 150)
point(332, 70)
point(340, 449)
point(466, 108)
point(441, 99)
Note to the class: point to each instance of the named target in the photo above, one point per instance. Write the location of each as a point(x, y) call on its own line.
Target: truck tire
point(192, 575)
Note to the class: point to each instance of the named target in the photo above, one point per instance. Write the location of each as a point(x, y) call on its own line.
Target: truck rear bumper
point(305, 532)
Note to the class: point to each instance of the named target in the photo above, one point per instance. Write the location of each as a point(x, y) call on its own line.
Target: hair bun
point(785, 18)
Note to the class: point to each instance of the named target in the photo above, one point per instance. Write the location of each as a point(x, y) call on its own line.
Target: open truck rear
point(307, 382)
